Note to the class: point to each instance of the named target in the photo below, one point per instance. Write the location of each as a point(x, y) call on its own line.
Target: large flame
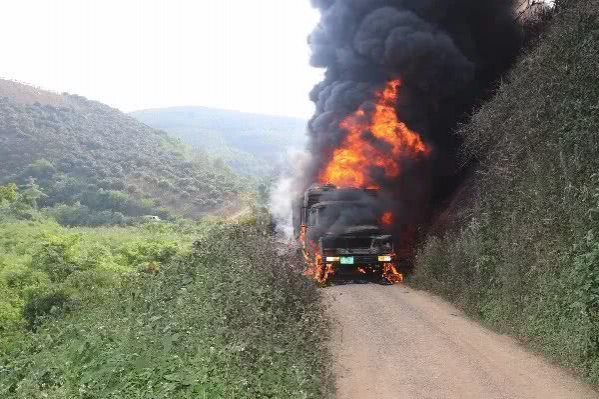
point(375, 140)
point(377, 143)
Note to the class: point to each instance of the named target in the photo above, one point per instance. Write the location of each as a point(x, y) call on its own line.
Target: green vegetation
point(250, 144)
point(140, 313)
point(94, 160)
point(108, 289)
point(40, 260)
point(527, 261)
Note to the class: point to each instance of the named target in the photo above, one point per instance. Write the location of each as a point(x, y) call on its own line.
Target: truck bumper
point(350, 261)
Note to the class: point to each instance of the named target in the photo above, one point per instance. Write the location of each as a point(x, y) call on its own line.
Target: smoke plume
point(287, 191)
point(448, 56)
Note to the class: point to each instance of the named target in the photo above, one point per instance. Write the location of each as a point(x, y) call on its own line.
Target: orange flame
point(391, 274)
point(310, 267)
point(387, 219)
point(376, 139)
point(315, 268)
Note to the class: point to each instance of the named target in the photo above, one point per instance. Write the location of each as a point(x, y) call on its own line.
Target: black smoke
point(338, 210)
point(449, 55)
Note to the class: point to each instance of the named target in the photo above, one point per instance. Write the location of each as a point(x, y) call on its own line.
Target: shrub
point(8, 193)
point(10, 311)
point(19, 279)
point(56, 258)
point(43, 302)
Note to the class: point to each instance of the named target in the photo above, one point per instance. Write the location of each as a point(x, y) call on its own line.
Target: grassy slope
point(248, 143)
point(230, 318)
point(527, 262)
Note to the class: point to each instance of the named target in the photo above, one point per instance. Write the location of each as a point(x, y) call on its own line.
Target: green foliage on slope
point(137, 310)
point(229, 319)
point(45, 266)
point(82, 152)
point(527, 262)
point(250, 144)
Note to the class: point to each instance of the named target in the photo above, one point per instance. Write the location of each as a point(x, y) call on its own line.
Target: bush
point(20, 279)
point(56, 258)
point(41, 303)
point(10, 312)
point(144, 252)
point(8, 193)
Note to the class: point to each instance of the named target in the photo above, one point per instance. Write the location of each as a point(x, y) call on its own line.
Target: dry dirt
point(395, 342)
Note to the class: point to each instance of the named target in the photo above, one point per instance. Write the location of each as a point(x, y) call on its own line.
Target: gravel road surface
point(392, 342)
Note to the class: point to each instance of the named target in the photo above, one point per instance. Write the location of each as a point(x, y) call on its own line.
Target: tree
point(8, 193)
point(32, 193)
point(40, 169)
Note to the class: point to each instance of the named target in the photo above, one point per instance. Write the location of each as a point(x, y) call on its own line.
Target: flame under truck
point(341, 234)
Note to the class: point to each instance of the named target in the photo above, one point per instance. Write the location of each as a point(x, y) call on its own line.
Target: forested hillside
point(108, 289)
point(251, 144)
point(526, 260)
point(86, 158)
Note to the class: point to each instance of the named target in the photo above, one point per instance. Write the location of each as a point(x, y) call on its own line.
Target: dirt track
point(395, 342)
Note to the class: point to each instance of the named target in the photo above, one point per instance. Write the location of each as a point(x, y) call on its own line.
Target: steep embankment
point(251, 144)
point(527, 260)
point(84, 151)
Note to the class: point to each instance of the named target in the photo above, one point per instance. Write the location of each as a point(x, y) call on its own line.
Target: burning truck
point(347, 220)
point(400, 76)
point(343, 233)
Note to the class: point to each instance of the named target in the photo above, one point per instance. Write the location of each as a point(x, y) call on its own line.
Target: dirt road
point(395, 342)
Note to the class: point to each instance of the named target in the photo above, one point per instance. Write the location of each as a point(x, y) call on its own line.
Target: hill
point(82, 153)
point(108, 303)
point(525, 259)
point(251, 144)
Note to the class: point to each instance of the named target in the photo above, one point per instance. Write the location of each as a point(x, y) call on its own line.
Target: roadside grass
point(45, 267)
point(231, 318)
point(527, 262)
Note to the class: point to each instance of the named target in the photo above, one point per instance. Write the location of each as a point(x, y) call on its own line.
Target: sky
point(246, 55)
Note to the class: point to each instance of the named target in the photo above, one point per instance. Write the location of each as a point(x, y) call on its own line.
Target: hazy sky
point(248, 55)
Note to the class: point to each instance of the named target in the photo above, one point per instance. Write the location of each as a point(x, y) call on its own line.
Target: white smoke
point(287, 191)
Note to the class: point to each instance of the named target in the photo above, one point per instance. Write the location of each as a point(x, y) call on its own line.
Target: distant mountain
point(251, 144)
point(85, 153)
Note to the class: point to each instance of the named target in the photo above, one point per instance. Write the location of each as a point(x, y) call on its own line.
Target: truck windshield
point(347, 214)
